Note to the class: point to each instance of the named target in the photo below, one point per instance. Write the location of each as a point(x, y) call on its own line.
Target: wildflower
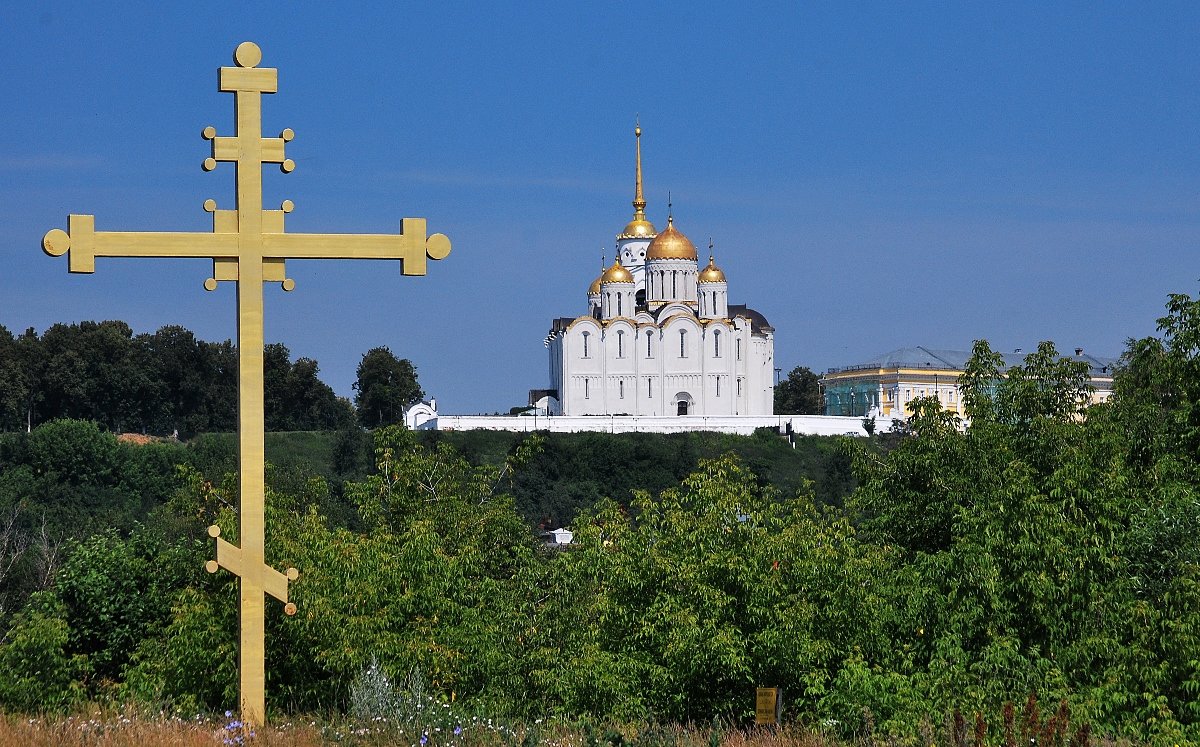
point(424, 739)
point(458, 731)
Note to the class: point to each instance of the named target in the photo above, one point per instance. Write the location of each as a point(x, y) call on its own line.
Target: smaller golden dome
point(594, 288)
point(616, 274)
point(671, 244)
point(711, 274)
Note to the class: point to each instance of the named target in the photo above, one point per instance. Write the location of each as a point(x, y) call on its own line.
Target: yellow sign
point(768, 702)
point(248, 246)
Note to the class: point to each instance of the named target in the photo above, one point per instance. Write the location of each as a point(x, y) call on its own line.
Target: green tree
point(36, 673)
point(295, 399)
point(12, 384)
point(96, 371)
point(385, 386)
point(799, 394)
point(197, 381)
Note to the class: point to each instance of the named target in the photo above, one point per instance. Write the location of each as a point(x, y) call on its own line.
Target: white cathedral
point(660, 336)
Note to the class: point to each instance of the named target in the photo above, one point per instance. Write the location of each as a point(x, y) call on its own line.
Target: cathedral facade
point(660, 336)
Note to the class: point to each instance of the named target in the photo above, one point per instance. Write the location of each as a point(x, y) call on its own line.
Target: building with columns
point(887, 384)
point(659, 336)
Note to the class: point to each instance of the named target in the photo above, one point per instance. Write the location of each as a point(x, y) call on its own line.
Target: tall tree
point(294, 398)
point(12, 380)
point(799, 393)
point(385, 386)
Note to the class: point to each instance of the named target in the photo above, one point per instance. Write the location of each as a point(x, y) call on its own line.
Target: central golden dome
point(671, 244)
point(638, 228)
point(616, 274)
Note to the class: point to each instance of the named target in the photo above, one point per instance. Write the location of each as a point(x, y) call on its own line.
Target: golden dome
point(616, 274)
point(594, 288)
point(638, 228)
point(671, 244)
point(711, 274)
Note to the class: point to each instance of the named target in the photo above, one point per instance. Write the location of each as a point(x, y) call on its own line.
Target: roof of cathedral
point(594, 288)
point(956, 360)
point(616, 274)
point(758, 322)
point(671, 244)
point(711, 274)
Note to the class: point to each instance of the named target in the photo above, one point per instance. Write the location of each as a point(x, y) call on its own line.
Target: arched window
point(620, 311)
point(620, 343)
point(621, 389)
point(683, 343)
point(737, 346)
point(674, 284)
point(587, 389)
point(649, 388)
point(586, 335)
point(649, 352)
point(718, 379)
point(716, 343)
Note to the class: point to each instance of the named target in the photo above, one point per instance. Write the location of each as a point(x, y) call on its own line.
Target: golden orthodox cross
point(248, 246)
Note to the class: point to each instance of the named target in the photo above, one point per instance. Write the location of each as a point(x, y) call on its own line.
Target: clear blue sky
point(874, 175)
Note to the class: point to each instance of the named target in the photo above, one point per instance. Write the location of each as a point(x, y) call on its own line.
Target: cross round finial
point(247, 54)
point(56, 242)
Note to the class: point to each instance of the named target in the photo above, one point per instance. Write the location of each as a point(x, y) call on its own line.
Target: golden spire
point(639, 202)
point(639, 227)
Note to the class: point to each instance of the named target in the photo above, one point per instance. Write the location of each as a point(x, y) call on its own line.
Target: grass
point(118, 730)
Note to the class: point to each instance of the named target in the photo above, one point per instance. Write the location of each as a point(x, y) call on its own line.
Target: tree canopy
point(385, 386)
point(163, 383)
point(1042, 550)
point(799, 394)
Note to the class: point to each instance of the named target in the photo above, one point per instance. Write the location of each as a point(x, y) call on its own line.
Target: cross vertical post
point(248, 246)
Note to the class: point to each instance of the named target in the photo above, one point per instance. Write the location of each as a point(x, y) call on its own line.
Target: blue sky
point(873, 175)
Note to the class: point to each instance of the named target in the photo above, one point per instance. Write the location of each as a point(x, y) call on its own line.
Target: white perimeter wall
point(809, 425)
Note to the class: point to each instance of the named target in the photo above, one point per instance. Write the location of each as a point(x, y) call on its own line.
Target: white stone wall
point(820, 425)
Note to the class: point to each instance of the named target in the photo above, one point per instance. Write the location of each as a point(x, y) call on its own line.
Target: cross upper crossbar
point(248, 233)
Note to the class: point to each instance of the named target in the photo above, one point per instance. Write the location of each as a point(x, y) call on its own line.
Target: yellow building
point(886, 384)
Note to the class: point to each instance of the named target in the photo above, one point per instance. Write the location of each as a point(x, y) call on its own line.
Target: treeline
point(1045, 550)
point(170, 383)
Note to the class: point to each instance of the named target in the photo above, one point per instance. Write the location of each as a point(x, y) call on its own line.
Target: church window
point(585, 344)
point(620, 311)
point(620, 344)
point(674, 284)
point(739, 387)
point(649, 352)
point(683, 343)
point(649, 388)
point(621, 389)
point(718, 386)
point(587, 389)
point(717, 343)
point(738, 348)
